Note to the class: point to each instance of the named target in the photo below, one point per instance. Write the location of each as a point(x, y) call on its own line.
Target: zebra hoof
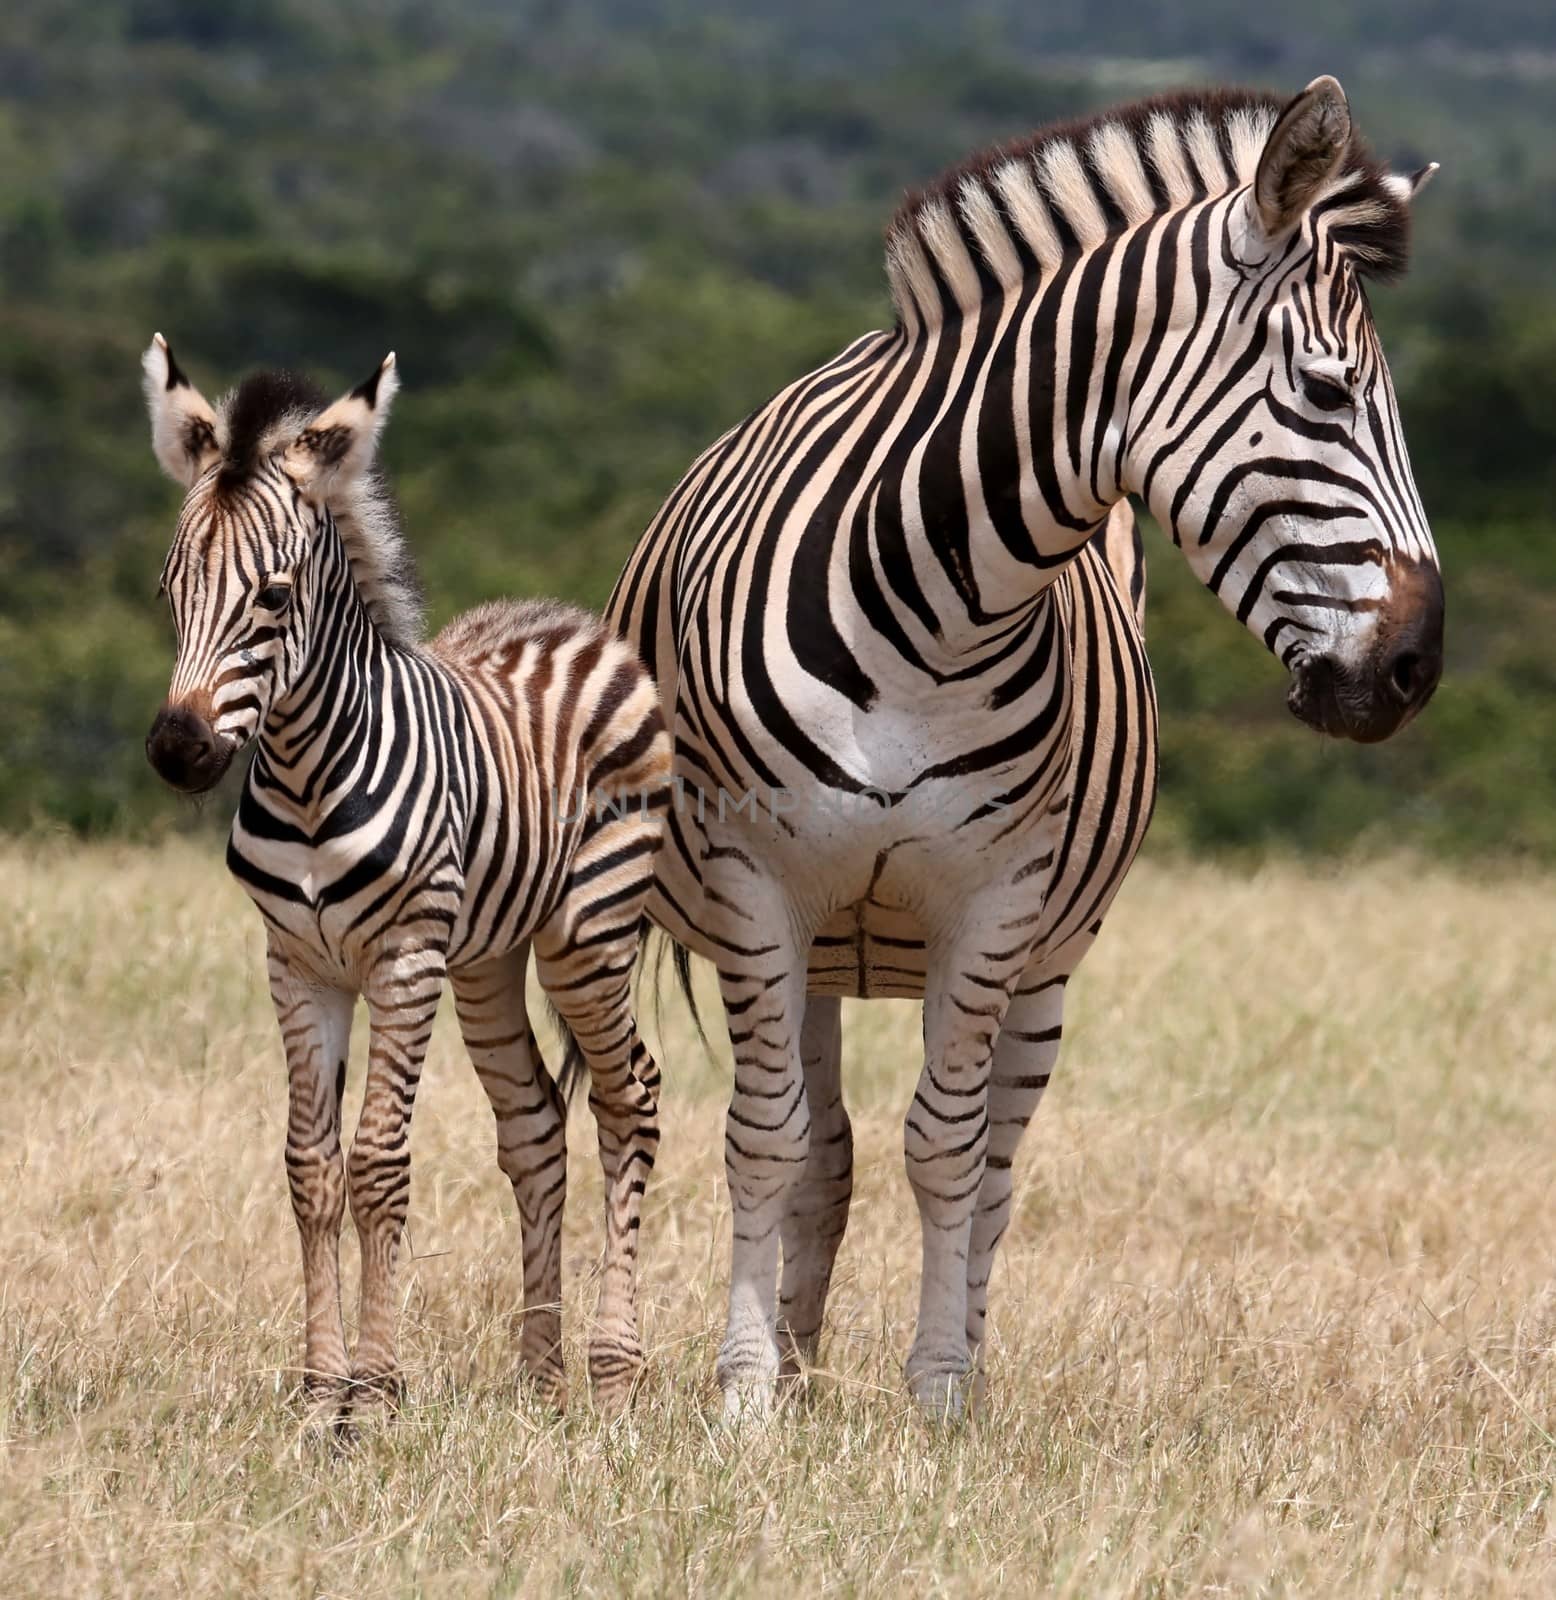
point(319, 1397)
point(798, 1351)
point(796, 1377)
point(942, 1396)
point(320, 1388)
point(548, 1389)
point(748, 1404)
point(614, 1370)
point(364, 1397)
point(374, 1391)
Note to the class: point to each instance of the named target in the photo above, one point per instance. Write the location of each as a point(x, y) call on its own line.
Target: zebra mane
point(263, 414)
point(1024, 207)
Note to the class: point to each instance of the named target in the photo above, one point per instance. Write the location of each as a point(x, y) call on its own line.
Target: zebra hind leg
point(531, 1123)
point(1024, 1057)
point(817, 1215)
point(585, 956)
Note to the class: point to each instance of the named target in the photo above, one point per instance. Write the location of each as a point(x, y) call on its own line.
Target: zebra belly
point(870, 948)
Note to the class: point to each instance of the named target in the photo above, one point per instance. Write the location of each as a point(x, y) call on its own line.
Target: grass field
point(1275, 1315)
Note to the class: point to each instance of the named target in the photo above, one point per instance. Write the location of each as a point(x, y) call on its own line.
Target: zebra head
point(266, 472)
point(1273, 451)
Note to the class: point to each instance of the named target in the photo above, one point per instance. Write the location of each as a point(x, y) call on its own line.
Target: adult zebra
point(414, 811)
point(855, 594)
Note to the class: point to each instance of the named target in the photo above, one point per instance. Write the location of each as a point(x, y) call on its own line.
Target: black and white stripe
point(413, 812)
point(913, 728)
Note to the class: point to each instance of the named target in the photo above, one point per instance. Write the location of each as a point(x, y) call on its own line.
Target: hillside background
point(598, 234)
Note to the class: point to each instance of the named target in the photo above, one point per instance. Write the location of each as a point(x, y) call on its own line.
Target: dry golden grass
point(1275, 1315)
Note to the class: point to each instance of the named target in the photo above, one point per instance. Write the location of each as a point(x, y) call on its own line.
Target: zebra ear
point(1405, 186)
point(331, 454)
point(1419, 180)
point(183, 426)
point(1305, 146)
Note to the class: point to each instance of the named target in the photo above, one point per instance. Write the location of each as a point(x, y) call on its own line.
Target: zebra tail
point(681, 961)
point(573, 1071)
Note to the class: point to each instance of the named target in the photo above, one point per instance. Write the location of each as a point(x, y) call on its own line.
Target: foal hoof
point(614, 1370)
point(320, 1389)
point(547, 1387)
point(796, 1350)
point(370, 1392)
point(318, 1399)
point(363, 1397)
point(386, 1389)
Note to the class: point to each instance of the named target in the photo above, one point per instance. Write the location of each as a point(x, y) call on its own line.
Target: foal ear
point(183, 426)
point(332, 453)
point(1305, 146)
point(1407, 185)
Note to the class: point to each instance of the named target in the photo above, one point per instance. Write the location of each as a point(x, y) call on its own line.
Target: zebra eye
point(273, 597)
point(1327, 394)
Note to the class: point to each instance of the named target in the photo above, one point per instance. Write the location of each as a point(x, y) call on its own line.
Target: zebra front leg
point(762, 975)
point(316, 1033)
point(402, 1001)
point(1024, 1056)
point(817, 1216)
point(970, 978)
point(531, 1148)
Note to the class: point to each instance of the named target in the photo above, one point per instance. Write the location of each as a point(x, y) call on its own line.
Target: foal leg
point(585, 956)
point(316, 1033)
point(817, 1215)
point(402, 999)
point(531, 1147)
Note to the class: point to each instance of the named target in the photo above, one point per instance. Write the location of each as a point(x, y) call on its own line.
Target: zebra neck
point(1008, 456)
point(343, 691)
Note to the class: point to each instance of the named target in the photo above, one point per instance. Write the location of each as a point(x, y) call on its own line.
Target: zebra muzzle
point(1369, 700)
point(185, 752)
point(1365, 707)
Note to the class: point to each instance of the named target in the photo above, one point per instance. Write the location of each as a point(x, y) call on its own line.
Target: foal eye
point(273, 597)
point(1328, 394)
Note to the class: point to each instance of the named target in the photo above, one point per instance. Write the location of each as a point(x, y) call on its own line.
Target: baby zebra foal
point(414, 811)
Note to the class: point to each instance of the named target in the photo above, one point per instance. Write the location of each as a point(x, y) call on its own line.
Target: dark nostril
point(1408, 670)
point(1413, 675)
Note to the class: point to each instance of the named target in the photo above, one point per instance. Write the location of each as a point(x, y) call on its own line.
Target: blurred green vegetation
point(598, 234)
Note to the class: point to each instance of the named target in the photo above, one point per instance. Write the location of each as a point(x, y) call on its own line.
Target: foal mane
point(263, 414)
